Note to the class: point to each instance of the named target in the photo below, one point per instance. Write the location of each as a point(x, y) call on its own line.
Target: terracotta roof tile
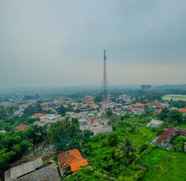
point(22, 127)
point(167, 134)
point(73, 159)
point(182, 110)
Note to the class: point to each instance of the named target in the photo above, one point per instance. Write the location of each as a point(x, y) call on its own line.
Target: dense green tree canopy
point(67, 134)
point(12, 146)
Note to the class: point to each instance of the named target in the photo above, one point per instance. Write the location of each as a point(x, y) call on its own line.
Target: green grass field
point(165, 165)
point(183, 126)
point(142, 136)
point(174, 97)
point(154, 164)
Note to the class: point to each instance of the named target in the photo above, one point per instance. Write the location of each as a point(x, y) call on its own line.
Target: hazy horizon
point(60, 43)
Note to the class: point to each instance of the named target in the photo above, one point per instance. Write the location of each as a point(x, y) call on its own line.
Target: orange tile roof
point(72, 159)
point(182, 110)
point(22, 127)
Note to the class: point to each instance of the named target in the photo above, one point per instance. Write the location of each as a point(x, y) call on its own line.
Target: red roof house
point(22, 127)
point(166, 136)
point(164, 139)
point(72, 159)
point(182, 110)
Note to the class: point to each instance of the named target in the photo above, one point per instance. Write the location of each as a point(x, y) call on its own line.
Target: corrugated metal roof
point(23, 169)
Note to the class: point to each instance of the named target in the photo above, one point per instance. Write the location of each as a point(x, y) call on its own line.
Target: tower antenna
point(105, 83)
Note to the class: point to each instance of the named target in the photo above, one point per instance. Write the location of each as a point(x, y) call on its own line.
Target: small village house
point(22, 127)
point(182, 110)
point(163, 140)
point(32, 171)
point(72, 160)
point(154, 123)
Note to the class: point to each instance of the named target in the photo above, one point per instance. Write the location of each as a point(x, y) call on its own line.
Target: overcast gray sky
point(61, 42)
